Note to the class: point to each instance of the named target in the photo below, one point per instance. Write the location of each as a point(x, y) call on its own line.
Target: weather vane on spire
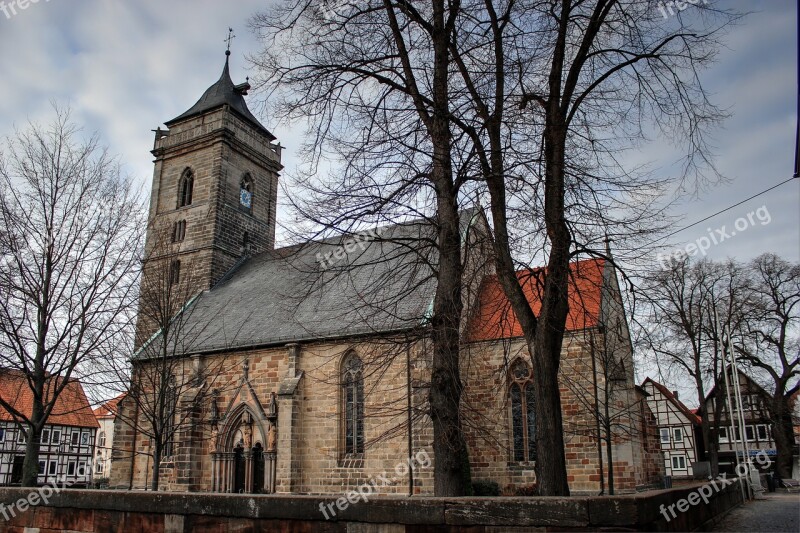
point(230, 38)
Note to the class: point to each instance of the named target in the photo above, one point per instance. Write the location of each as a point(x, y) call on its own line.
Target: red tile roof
point(691, 415)
point(71, 408)
point(494, 319)
point(109, 409)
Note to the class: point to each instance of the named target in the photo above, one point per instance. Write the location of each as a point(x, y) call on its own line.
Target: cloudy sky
point(126, 67)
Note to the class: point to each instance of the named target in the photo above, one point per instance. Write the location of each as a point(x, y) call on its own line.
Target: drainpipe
point(410, 427)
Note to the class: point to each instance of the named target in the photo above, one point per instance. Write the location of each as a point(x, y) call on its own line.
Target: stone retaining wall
point(104, 511)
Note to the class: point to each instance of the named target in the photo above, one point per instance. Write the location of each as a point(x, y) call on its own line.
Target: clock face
point(245, 198)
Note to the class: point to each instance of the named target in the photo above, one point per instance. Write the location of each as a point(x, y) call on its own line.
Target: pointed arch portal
point(239, 462)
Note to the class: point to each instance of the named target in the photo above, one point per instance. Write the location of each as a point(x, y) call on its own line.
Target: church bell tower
point(214, 191)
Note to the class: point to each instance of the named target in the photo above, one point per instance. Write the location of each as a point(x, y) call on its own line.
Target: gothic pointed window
point(353, 404)
point(523, 412)
point(246, 193)
point(185, 188)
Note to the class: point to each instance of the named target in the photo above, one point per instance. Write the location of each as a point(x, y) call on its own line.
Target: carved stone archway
point(239, 454)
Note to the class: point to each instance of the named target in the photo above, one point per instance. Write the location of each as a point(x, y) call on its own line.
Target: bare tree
point(531, 100)
point(690, 305)
point(168, 393)
point(695, 305)
point(374, 84)
point(771, 344)
point(556, 90)
point(72, 233)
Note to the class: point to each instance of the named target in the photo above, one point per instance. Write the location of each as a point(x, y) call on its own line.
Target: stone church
point(312, 360)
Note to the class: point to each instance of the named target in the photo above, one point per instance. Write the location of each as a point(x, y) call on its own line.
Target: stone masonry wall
point(85, 511)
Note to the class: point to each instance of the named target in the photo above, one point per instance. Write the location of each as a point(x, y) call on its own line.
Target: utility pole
point(732, 433)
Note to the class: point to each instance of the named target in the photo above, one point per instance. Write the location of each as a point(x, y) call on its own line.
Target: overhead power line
point(728, 208)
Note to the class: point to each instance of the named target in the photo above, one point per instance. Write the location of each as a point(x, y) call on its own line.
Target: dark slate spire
point(224, 92)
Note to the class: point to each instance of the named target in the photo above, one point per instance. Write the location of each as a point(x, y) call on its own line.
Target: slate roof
point(71, 407)
point(383, 282)
point(494, 318)
point(223, 92)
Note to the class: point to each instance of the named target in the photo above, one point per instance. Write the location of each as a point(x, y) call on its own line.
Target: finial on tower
point(230, 38)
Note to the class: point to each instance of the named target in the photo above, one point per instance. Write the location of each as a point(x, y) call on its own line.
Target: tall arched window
point(353, 404)
point(185, 187)
point(246, 193)
point(523, 411)
point(101, 442)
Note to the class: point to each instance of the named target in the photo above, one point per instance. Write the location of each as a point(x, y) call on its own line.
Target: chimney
point(675, 393)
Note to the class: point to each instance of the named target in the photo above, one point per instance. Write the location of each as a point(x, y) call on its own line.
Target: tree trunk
point(551, 475)
point(710, 443)
point(156, 468)
point(451, 459)
point(30, 468)
point(783, 434)
point(451, 466)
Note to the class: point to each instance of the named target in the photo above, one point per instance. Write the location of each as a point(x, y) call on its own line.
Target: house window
point(745, 401)
point(20, 436)
point(353, 404)
point(664, 435)
point(185, 187)
point(677, 435)
point(750, 433)
point(523, 412)
point(723, 434)
point(174, 272)
point(71, 468)
point(101, 440)
point(41, 467)
point(98, 467)
point(76, 435)
point(736, 435)
point(45, 436)
point(761, 431)
point(2, 434)
point(246, 193)
point(56, 436)
point(51, 468)
point(679, 462)
point(179, 231)
point(82, 469)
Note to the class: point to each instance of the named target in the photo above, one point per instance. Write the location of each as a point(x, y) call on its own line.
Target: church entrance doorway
point(258, 469)
point(239, 462)
point(239, 470)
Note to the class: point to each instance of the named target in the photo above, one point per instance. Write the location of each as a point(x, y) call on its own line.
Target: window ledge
point(521, 465)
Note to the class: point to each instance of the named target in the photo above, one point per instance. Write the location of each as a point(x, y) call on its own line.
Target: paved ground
point(776, 512)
